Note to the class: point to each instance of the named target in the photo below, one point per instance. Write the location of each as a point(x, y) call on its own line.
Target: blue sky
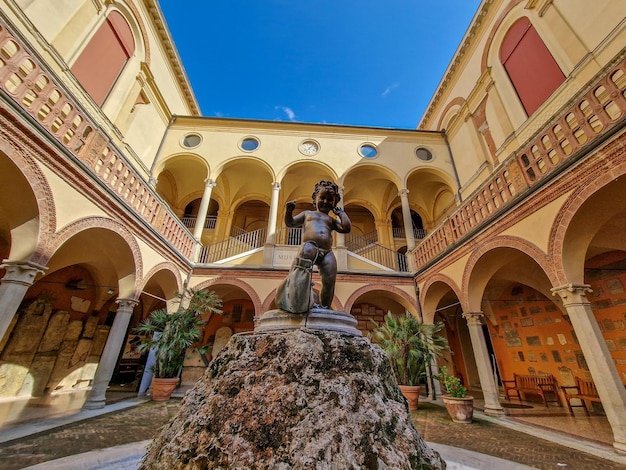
point(362, 63)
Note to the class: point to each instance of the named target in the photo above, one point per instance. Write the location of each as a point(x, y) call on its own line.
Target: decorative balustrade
point(591, 115)
point(34, 90)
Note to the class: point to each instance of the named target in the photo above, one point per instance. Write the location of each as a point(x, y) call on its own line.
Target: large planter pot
point(412, 395)
point(461, 410)
point(162, 388)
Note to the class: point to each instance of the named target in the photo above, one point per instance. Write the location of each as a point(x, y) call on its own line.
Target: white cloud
point(389, 89)
point(288, 111)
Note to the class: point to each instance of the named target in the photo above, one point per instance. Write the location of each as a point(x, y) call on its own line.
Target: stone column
point(271, 225)
point(19, 276)
point(383, 229)
point(598, 357)
point(270, 241)
point(341, 252)
point(209, 184)
point(483, 363)
point(406, 217)
point(112, 348)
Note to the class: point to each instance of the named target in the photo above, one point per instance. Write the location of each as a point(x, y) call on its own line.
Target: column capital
point(572, 294)
point(21, 272)
point(404, 192)
point(473, 318)
point(209, 183)
point(126, 305)
point(276, 185)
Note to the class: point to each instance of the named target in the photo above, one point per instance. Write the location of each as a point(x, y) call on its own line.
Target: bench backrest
point(531, 381)
point(586, 387)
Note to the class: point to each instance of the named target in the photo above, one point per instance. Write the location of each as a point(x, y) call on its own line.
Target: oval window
point(191, 140)
point(368, 151)
point(249, 144)
point(424, 154)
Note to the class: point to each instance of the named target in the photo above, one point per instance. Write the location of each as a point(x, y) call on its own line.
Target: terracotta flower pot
point(162, 388)
point(461, 410)
point(412, 395)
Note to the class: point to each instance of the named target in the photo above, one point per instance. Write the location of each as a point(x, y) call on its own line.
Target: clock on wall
point(309, 147)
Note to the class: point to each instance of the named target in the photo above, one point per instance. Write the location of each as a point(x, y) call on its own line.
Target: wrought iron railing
point(189, 221)
point(233, 246)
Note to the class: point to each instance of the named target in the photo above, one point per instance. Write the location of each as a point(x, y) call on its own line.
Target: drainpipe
point(456, 173)
point(152, 179)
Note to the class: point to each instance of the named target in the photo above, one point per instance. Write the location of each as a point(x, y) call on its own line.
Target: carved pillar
point(598, 357)
point(112, 348)
point(406, 217)
point(19, 276)
point(483, 363)
point(209, 184)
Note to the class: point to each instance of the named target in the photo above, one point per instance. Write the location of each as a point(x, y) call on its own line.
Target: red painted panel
point(532, 69)
point(101, 61)
point(513, 37)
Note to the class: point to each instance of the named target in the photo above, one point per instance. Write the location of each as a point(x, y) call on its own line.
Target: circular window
point(191, 140)
point(423, 154)
point(249, 144)
point(368, 151)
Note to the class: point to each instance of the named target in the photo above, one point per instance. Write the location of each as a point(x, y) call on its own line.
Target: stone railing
point(583, 121)
point(34, 90)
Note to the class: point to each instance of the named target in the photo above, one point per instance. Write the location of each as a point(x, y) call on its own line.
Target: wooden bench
point(584, 391)
point(545, 386)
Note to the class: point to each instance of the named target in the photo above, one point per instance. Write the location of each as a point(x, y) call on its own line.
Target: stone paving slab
point(431, 420)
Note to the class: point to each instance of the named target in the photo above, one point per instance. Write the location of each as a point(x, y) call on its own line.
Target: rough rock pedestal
point(300, 399)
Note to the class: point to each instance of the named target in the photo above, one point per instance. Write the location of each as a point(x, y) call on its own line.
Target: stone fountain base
point(294, 399)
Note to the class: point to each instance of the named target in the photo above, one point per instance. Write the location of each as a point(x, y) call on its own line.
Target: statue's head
point(327, 186)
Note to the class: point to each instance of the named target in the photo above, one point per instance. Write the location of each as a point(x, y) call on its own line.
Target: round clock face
point(308, 147)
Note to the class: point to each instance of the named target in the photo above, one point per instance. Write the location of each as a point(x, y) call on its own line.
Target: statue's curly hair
point(327, 185)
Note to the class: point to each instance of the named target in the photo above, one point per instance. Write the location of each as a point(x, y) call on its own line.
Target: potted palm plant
point(460, 406)
point(170, 334)
point(411, 345)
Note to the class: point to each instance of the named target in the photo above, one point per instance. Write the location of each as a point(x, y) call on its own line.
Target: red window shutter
point(529, 64)
point(103, 59)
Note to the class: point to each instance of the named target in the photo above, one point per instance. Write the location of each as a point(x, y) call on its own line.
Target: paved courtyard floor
point(538, 447)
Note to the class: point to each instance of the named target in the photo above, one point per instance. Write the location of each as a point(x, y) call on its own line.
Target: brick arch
point(440, 279)
point(38, 184)
point(96, 222)
point(384, 287)
point(247, 288)
point(601, 176)
point(164, 266)
point(496, 26)
point(506, 241)
point(458, 101)
point(267, 303)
